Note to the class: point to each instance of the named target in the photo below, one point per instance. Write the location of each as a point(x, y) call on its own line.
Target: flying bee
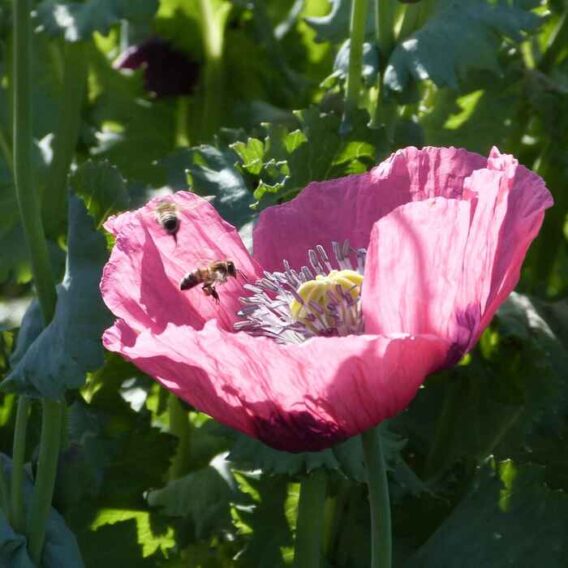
point(210, 276)
point(167, 216)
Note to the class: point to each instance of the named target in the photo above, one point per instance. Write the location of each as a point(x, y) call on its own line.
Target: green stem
point(309, 528)
point(66, 136)
point(43, 277)
point(18, 458)
point(213, 29)
point(182, 114)
point(6, 150)
point(180, 427)
point(4, 503)
point(410, 21)
point(385, 109)
point(23, 163)
point(379, 500)
point(356, 38)
point(384, 29)
point(45, 480)
point(439, 451)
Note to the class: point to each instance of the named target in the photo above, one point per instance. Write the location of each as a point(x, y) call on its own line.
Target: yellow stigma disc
point(316, 291)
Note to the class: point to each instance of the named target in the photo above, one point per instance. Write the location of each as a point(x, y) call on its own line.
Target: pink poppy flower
point(358, 289)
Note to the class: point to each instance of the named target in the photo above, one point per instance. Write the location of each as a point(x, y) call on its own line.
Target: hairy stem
point(356, 38)
point(309, 528)
point(45, 480)
point(66, 136)
point(379, 500)
point(17, 515)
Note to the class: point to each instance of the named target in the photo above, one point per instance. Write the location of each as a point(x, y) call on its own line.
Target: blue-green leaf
point(59, 357)
point(461, 36)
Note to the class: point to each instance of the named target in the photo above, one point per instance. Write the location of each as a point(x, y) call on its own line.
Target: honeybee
point(210, 276)
point(167, 216)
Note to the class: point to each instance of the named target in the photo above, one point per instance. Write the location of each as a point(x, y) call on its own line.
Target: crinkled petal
point(141, 280)
point(294, 397)
point(414, 270)
point(347, 208)
point(443, 266)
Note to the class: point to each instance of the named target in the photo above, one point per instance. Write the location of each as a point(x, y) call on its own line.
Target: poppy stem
point(179, 426)
point(28, 201)
point(18, 456)
point(213, 21)
point(45, 479)
point(66, 136)
point(309, 529)
point(384, 113)
point(356, 39)
point(379, 500)
point(28, 204)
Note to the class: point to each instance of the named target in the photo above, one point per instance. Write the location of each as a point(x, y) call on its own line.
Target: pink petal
point(347, 208)
point(444, 266)
point(141, 280)
point(293, 397)
point(414, 270)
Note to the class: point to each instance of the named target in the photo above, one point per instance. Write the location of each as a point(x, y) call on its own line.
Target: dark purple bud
point(168, 72)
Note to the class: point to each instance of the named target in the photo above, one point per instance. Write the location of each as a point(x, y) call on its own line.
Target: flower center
point(322, 299)
point(318, 299)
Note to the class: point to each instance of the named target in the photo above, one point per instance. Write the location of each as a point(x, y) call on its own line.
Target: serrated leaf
point(510, 518)
point(264, 524)
point(250, 454)
point(102, 188)
point(315, 151)
point(77, 21)
point(203, 497)
point(70, 346)
point(462, 35)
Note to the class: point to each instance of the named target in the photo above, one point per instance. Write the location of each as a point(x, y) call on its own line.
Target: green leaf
point(344, 459)
point(510, 518)
point(77, 21)
point(264, 524)
point(136, 131)
point(102, 188)
point(462, 35)
point(60, 548)
point(70, 346)
point(115, 546)
point(211, 172)
point(202, 497)
point(289, 160)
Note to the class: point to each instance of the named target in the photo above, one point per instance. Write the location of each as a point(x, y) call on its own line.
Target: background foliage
point(478, 466)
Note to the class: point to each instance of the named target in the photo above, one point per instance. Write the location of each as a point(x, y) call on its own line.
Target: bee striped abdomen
point(190, 280)
point(167, 217)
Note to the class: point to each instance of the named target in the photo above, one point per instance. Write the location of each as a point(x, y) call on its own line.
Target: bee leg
point(209, 290)
point(215, 295)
